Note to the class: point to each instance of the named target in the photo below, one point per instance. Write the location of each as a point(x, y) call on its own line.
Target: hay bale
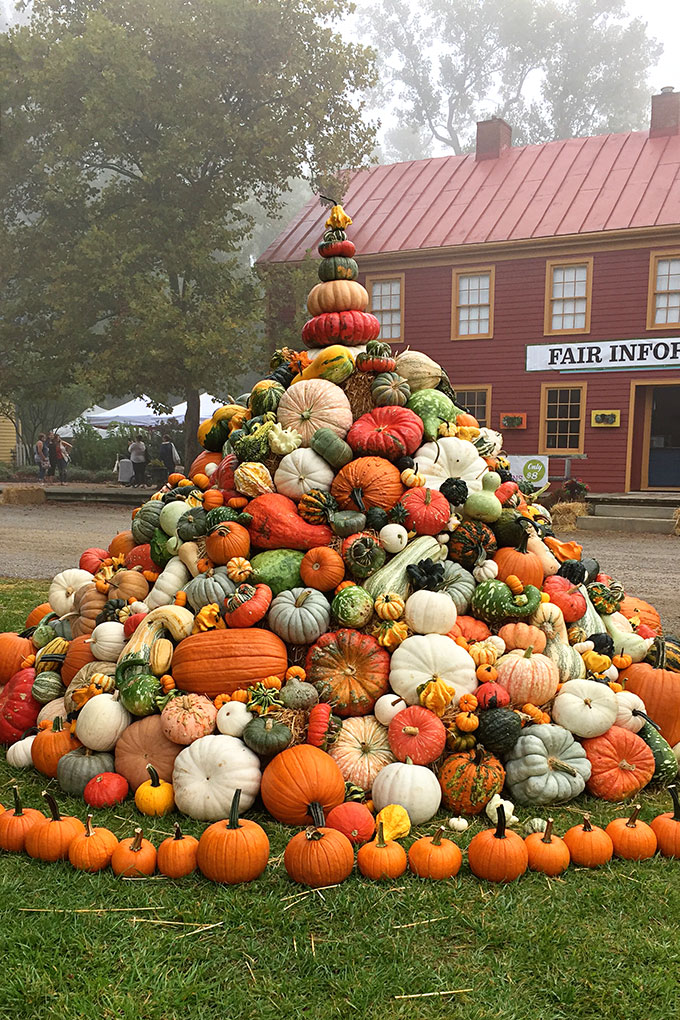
point(358, 391)
point(676, 522)
point(24, 495)
point(565, 515)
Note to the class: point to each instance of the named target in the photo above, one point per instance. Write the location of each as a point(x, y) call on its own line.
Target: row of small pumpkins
point(236, 850)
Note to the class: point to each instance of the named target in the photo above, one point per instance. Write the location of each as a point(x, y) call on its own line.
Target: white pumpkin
point(585, 707)
point(101, 722)
point(387, 706)
point(108, 641)
point(415, 787)
point(64, 587)
point(208, 772)
point(451, 458)
point(170, 515)
point(422, 658)
point(421, 372)
point(676, 751)
point(52, 709)
point(491, 810)
point(631, 711)
point(430, 612)
point(232, 718)
point(393, 537)
point(458, 823)
point(485, 571)
point(174, 576)
point(19, 754)
point(301, 471)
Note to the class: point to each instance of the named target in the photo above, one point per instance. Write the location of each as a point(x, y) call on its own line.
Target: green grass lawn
point(590, 945)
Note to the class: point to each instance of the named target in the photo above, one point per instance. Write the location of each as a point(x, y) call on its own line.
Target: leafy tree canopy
point(137, 134)
point(551, 68)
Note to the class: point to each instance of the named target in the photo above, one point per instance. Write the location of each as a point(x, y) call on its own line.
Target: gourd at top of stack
point(338, 303)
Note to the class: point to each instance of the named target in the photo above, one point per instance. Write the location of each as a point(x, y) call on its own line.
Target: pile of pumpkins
point(348, 571)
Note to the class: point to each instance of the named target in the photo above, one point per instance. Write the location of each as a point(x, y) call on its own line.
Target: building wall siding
point(8, 438)
point(618, 312)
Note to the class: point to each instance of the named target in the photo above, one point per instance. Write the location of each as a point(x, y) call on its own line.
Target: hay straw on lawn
point(565, 515)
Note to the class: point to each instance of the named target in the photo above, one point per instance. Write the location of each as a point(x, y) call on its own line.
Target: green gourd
point(299, 695)
point(493, 602)
point(47, 686)
point(433, 407)
point(347, 522)
point(192, 524)
point(352, 607)
point(145, 521)
point(390, 389)
point(485, 505)
point(337, 267)
point(278, 568)
point(266, 736)
point(334, 450)
point(665, 762)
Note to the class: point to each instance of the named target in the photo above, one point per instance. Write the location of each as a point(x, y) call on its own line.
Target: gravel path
point(39, 541)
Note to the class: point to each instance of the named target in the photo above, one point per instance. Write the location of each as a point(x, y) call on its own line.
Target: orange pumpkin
point(634, 608)
point(36, 615)
point(298, 778)
point(522, 635)
point(50, 745)
point(211, 499)
point(660, 691)
point(469, 628)
point(122, 544)
point(199, 465)
point(367, 482)
point(322, 568)
point(223, 661)
point(622, 764)
point(13, 650)
point(229, 539)
point(135, 856)
point(50, 838)
point(78, 654)
point(519, 562)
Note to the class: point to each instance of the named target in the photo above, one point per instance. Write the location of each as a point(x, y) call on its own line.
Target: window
point(562, 419)
point(386, 302)
point(472, 299)
point(477, 399)
point(663, 306)
point(568, 294)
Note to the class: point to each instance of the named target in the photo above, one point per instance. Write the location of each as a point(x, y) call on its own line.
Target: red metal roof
point(578, 186)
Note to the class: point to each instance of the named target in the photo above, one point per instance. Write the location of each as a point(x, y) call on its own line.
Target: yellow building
point(8, 438)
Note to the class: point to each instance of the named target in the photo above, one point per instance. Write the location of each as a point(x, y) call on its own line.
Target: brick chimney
point(665, 114)
point(493, 136)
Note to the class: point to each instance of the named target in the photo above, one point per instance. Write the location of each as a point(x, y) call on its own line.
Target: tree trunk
point(191, 423)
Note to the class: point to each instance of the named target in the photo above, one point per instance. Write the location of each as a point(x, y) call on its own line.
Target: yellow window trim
point(550, 266)
point(378, 278)
point(654, 257)
point(543, 430)
point(471, 271)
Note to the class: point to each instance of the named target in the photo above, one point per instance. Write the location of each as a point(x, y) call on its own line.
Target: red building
point(545, 279)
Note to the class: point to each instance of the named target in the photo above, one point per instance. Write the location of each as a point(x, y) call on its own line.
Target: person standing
point(137, 451)
point(62, 453)
point(169, 455)
point(41, 457)
point(51, 452)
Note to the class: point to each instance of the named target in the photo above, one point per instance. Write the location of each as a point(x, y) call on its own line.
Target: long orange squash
point(224, 661)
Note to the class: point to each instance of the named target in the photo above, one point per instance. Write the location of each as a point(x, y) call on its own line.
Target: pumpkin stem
point(500, 823)
point(561, 766)
point(153, 775)
point(632, 821)
point(178, 832)
point(410, 731)
point(52, 805)
point(358, 497)
point(643, 715)
point(18, 806)
point(437, 838)
point(380, 837)
point(89, 831)
point(233, 810)
point(673, 790)
point(57, 724)
point(529, 652)
point(478, 754)
point(313, 834)
point(302, 598)
point(318, 817)
point(547, 834)
point(136, 844)
point(626, 766)
point(587, 827)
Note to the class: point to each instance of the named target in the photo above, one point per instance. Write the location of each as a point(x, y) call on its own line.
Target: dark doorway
point(664, 438)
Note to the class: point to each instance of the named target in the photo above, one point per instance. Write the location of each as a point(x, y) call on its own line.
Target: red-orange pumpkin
point(390, 432)
point(418, 734)
point(566, 597)
point(367, 482)
point(622, 764)
point(349, 669)
point(122, 544)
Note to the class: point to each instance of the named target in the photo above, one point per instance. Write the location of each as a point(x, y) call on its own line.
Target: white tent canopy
point(208, 406)
point(135, 412)
point(66, 431)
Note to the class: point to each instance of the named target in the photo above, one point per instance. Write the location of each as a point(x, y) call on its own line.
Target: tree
point(135, 132)
point(552, 68)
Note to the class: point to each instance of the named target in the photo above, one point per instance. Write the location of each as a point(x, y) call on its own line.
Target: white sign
point(531, 469)
point(608, 355)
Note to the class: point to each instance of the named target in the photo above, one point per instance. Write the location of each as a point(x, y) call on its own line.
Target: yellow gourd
point(395, 820)
point(436, 695)
point(335, 363)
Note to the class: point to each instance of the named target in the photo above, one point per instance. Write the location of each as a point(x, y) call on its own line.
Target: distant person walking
point(62, 451)
point(169, 455)
point(40, 456)
point(137, 451)
point(51, 451)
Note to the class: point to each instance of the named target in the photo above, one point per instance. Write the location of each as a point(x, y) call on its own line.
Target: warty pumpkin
point(389, 432)
point(527, 677)
point(469, 780)
point(19, 710)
